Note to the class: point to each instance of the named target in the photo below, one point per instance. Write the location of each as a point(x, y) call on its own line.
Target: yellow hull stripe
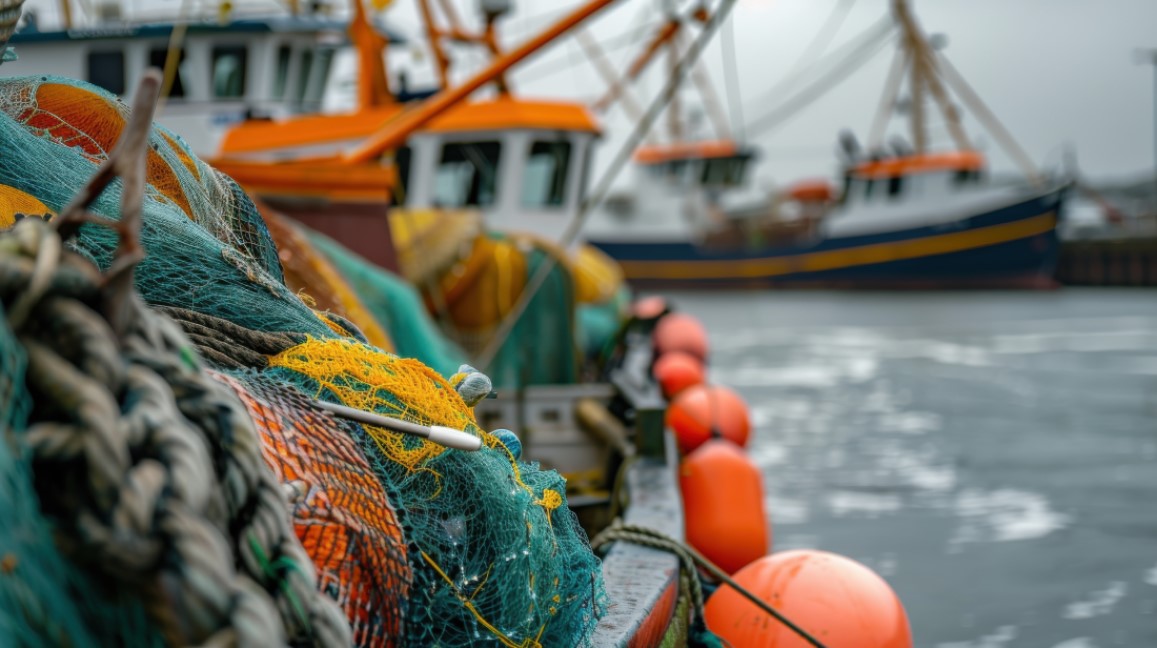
point(835, 259)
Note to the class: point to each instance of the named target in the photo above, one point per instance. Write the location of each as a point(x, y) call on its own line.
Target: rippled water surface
point(993, 455)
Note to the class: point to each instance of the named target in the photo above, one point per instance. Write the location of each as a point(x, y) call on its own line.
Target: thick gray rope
point(152, 470)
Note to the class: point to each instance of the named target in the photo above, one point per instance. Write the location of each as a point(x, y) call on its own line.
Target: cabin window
point(107, 70)
point(467, 174)
point(895, 185)
point(157, 58)
point(282, 74)
point(303, 72)
point(869, 187)
point(544, 183)
point(312, 77)
point(723, 172)
point(229, 71)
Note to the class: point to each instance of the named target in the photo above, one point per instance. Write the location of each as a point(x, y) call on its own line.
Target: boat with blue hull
point(907, 215)
point(1013, 245)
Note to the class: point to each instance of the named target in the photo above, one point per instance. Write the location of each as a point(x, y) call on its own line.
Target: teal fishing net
point(208, 249)
point(542, 346)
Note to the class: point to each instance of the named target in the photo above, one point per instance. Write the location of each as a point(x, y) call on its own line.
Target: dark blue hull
point(1012, 246)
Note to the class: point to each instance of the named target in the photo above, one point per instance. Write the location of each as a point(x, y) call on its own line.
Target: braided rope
point(689, 559)
point(151, 470)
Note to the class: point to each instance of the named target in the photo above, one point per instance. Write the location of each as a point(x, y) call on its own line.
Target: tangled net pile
point(420, 545)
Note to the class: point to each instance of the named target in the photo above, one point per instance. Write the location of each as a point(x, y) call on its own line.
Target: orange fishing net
point(340, 511)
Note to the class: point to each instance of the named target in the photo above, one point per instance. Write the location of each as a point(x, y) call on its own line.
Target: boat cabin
point(679, 191)
point(228, 70)
point(888, 180)
point(707, 165)
point(523, 164)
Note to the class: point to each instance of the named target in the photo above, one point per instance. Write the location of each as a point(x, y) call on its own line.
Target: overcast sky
point(1057, 72)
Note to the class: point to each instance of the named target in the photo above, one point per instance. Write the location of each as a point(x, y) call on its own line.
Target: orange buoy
point(681, 332)
point(676, 371)
point(649, 308)
point(840, 602)
point(701, 412)
point(723, 514)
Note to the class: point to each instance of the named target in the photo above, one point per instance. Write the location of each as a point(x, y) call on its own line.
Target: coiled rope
point(151, 470)
point(690, 559)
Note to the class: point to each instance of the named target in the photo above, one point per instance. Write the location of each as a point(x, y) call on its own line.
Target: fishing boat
point(905, 217)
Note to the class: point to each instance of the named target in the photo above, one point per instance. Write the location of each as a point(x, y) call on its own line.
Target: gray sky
point(1056, 72)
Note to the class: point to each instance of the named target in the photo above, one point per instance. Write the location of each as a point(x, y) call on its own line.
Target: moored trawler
point(917, 221)
point(906, 217)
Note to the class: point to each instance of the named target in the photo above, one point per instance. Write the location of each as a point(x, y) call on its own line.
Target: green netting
point(497, 557)
point(44, 599)
point(396, 305)
point(542, 347)
point(215, 258)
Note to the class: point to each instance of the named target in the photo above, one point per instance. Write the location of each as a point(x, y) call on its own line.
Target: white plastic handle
point(452, 438)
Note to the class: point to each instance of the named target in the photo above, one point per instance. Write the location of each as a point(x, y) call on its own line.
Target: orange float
point(677, 371)
point(704, 411)
point(723, 514)
point(681, 332)
point(649, 308)
point(840, 602)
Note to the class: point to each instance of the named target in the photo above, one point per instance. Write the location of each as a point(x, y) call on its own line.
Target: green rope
point(690, 559)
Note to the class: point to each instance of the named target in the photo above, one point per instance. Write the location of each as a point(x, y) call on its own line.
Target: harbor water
point(992, 455)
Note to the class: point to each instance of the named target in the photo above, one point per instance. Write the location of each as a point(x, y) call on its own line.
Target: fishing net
point(341, 513)
point(208, 249)
point(497, 556)
point(462, 548)
point(473, 295)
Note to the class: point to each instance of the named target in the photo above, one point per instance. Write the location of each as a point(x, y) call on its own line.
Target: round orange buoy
point(723, 514)
point(677, 371)
point(681, 332)
point(701, 412)
point(649, 308)
point(840, 602)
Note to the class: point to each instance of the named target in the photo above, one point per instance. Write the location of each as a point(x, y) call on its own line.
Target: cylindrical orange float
point(676, 371)
point(723, 514)
point(704, 411)
point(681, 332)
point(835, 599)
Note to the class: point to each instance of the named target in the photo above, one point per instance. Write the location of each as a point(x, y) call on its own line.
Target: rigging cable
point(731, 78)
point(823, 37)
point(674, 82)
point(787, 109)
point(845, 51)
